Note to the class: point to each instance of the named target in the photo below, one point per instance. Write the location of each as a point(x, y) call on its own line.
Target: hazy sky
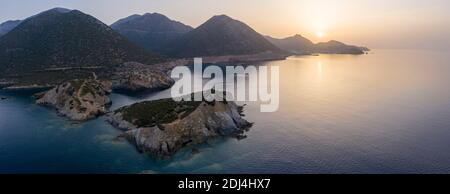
point(419, 24)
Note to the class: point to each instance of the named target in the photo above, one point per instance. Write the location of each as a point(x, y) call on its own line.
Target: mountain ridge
point(7, 26)
point(298, 44)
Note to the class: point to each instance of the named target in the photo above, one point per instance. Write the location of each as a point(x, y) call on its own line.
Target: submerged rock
point(78, 100)
point(162, 127)
point(137, 77)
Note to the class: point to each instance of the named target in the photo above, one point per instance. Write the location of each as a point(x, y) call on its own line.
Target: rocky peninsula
point(78, 100)
point(162, 127)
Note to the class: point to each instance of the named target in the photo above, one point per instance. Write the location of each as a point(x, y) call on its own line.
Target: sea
point(384, 112)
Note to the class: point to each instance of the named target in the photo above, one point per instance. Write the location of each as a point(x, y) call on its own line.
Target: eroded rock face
point(78, 100)
point(137, 77)
point(162, 127)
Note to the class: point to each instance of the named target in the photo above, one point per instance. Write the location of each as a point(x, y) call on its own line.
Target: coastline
point(259, 57)
point(164, 67)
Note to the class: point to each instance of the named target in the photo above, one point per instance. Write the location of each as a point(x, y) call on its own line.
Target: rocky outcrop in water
point(137, 77)
point(163, 127)
point(78, 100)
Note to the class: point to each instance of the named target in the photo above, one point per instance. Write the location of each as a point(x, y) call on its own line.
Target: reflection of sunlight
point(319, 70)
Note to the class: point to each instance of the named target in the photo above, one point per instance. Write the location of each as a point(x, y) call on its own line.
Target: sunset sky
point(412, 24)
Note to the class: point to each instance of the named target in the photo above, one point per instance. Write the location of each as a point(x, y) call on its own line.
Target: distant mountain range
point(336, 47)
point(66, 39)
point(152, 31)
point(62, 38)
point(8, 26)
point(300, 45)
point(220, 35)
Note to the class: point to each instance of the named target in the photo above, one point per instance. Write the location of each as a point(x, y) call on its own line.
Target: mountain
point(152, 30)
point(295, 44)
point(336, 47)
point(65, 39)
point(300, 45)
point(219, 36)
point(8, 26)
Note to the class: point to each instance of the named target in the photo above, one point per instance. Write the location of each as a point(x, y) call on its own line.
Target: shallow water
point(386, 112)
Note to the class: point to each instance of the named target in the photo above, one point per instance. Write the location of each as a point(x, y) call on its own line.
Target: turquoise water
point(386, 112)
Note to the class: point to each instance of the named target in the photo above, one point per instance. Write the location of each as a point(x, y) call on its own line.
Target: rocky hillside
point(152, 31)
point(8, 26)
point(136, 77)
point(162, 127)
point(61, 39)
point(220, 36)
point(78, 99)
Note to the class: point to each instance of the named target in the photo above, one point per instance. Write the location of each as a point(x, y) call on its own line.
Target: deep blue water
point(386, 112)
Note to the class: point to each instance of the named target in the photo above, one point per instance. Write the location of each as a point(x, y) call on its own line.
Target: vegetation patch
point(152, 113)
point(89, 88)
point(76, 84)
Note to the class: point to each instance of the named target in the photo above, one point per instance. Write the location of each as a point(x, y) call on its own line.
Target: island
point(162, 127)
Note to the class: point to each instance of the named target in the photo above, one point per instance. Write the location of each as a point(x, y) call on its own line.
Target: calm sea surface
point(386, 112)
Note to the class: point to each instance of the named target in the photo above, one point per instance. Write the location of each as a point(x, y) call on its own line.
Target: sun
point(320, 34)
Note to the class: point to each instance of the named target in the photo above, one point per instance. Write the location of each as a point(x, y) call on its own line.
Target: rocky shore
point(4, 84)
point(137, 77)
point(78, 100)
point(86, 98)
point(160, 127)
point(163, 127)
point(128, 77)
